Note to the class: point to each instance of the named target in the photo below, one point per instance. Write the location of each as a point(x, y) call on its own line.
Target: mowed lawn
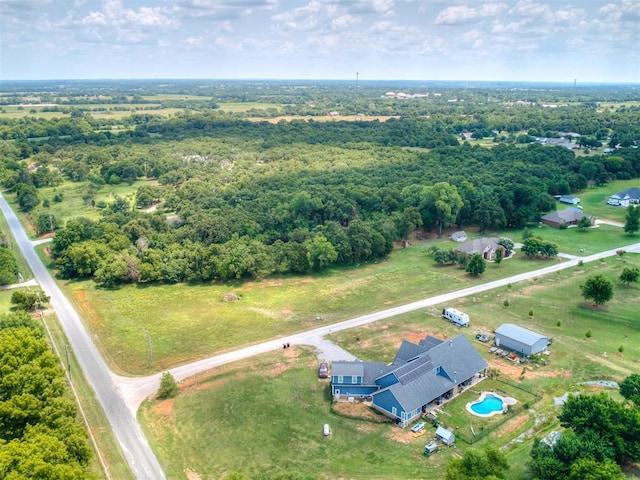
point(73, 204)
point(267, 415)
point(187, 322)
point(594, 200)
point(249, 416)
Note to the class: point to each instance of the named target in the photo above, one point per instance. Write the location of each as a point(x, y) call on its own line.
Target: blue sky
point(509, 40)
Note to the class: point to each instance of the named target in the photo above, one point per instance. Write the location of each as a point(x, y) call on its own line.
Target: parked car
point(323, 370)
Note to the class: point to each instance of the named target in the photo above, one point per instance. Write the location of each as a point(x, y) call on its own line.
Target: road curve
point(135, 390)
point(135, 447)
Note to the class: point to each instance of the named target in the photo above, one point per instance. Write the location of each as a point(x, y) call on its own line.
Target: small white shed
point(460, 236)
point(445, 436)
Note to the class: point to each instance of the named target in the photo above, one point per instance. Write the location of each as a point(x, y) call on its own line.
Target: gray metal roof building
point(520, 340)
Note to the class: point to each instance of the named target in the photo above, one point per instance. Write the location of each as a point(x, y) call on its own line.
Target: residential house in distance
point(569, 199)
point(568, 217)
point(420, 377)
point(460, 236)
point(485, 246)
point(630, 196)
point(520, 340)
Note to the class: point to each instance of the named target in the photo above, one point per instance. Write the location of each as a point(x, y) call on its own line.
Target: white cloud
point(114, 14)
point(461, 14)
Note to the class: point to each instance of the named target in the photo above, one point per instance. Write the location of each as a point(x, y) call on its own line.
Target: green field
point(594, 200)
point(236, 107)
point(288, 405)
point(73, 205)
point(196, 323)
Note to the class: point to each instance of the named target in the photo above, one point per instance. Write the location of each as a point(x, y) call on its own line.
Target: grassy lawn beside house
point(195, 322)
point(214, 427)
point(594, 200)
point(573, 240)
point(288, 405)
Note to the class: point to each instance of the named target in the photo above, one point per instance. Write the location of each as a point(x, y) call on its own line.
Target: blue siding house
point(420, 377)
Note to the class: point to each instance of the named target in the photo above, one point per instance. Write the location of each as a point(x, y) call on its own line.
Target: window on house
point(354, 379)
point(340, 379)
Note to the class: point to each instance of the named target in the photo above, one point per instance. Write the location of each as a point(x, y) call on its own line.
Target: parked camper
point(456, 316)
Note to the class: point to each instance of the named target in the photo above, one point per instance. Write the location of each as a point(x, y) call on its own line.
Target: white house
point(630, 196)
point(460, 236)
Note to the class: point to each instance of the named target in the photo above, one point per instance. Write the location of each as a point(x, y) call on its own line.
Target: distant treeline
point(255, 198)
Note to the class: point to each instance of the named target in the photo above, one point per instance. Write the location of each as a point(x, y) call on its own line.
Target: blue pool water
point(488, 405)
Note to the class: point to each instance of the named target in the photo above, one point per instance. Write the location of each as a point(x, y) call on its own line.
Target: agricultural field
point(289, 405)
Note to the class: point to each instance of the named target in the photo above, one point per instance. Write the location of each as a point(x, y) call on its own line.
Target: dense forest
point(223, 197)
point(40, 436)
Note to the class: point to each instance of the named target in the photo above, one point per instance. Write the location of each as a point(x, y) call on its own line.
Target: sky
point(511, 40)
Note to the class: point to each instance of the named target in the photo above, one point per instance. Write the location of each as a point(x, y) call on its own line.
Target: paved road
point(136, 449)
point(136, 390)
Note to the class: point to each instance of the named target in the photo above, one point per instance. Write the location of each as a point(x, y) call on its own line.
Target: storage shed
point(445, 436)
point(520, 340)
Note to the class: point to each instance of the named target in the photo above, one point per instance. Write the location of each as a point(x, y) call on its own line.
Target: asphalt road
point(134, 445)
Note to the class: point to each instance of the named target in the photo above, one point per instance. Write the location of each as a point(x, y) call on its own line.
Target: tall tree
point(441, 203)
point(598, 289)
point(630, 275)
point(476, 265)
point(632, 218)
point(630, 388)
point(489, 463)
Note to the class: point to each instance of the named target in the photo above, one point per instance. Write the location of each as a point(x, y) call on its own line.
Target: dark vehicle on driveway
point(323, 370)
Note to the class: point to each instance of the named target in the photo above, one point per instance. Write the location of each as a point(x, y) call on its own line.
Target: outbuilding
point(520, 340)
point(445, 436)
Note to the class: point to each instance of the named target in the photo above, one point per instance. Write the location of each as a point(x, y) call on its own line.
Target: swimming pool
point(489, 404)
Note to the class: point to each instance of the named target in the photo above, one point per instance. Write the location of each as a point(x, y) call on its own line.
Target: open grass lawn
point(248, 416)
point(244, 106)
point(266, 415)
point(5, 301)
point(572, 240)
point(187, 322)
point(73, 205)
point(574, 358)
point(594, 200)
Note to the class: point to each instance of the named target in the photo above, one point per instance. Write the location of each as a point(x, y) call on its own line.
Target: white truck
point(456, 316)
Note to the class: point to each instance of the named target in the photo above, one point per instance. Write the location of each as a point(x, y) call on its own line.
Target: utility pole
point(66, 353)
point(149, 345)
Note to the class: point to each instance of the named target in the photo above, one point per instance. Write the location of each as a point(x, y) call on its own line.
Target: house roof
point(564, 216)
point(408, 351)
point(459, 234)
point(369, 371)
point(435, 372)
point(479, 245)
point(632, 192)
point(568, 198)
point(445, 434)
point(521, 334)
point(430, 341)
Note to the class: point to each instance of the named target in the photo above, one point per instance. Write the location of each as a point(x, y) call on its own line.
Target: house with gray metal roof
point(520, 340)
point(630, 196)
point(570, 216)
point(485, 246)
point(421, 374)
